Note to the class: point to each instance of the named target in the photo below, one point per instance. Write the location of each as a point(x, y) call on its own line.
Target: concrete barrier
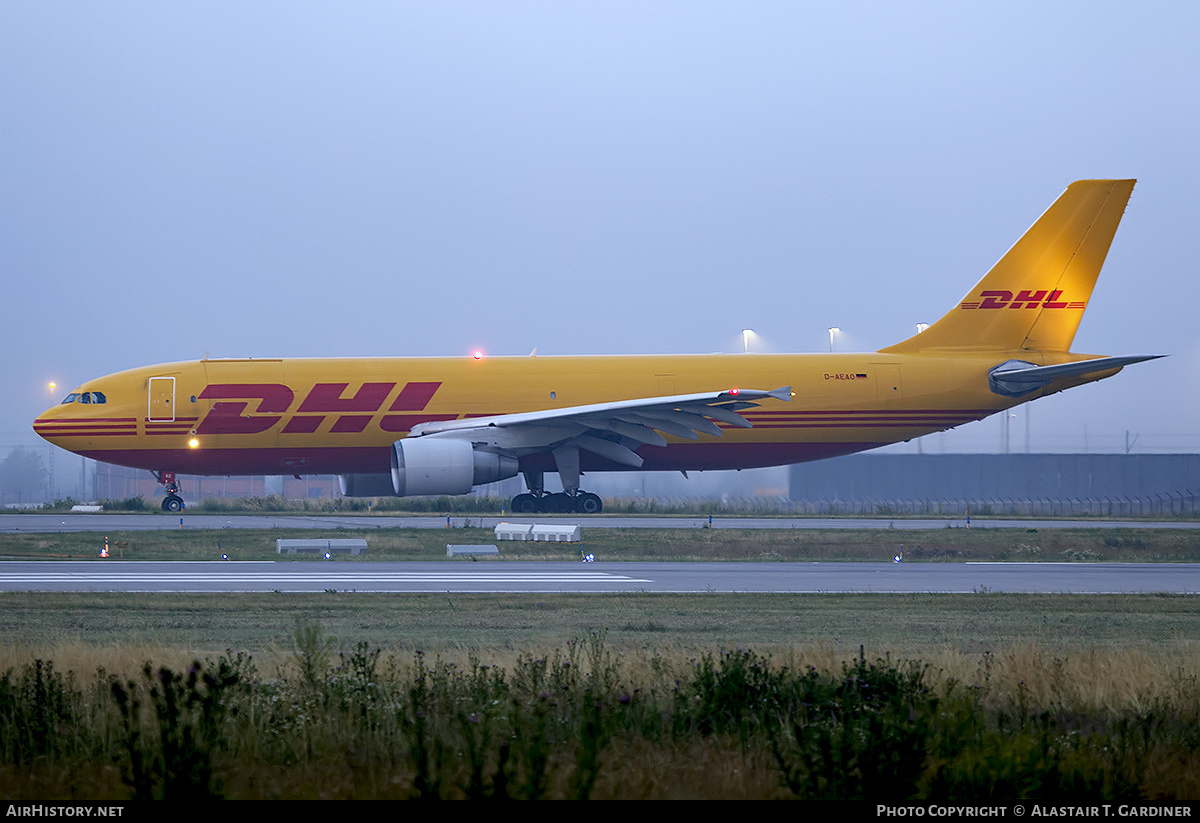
point(556, 533)
point(539, 533)
point(472, 550)
point(512, 531)
point(348, 545)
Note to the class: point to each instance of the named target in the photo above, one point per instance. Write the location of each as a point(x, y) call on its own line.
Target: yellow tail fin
point(1035, 296)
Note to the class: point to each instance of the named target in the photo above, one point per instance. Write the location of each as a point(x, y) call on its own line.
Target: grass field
point(871, 696)
point(313, 716)
point(933, 545)
point(897, 623)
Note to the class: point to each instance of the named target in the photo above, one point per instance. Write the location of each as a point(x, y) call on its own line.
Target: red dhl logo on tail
point(1025, 299)
point(274, 400)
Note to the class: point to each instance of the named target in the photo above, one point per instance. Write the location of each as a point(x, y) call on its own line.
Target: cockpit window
point(85, 397)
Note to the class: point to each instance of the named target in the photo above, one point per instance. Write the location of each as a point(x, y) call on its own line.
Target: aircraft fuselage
point(338, 416)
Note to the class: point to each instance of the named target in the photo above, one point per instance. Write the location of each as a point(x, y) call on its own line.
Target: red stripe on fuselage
point(87, 433)
point(211, 461)
point(377, 460)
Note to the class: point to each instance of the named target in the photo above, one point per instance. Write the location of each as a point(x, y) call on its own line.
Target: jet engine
point(424, 466)
point(366, 485)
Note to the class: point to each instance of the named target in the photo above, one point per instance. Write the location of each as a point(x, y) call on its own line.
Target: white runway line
point(312, 577)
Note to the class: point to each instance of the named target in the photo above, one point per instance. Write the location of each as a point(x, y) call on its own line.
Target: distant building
point(117, 483)
point(935, 484)
point(946, 484)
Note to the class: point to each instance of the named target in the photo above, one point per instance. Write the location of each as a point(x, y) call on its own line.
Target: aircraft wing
point(612, 430)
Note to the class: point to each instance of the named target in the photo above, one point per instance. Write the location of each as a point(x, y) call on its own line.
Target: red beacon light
point(733, 391)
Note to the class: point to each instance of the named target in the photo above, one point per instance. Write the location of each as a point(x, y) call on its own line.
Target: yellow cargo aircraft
point(433, 426)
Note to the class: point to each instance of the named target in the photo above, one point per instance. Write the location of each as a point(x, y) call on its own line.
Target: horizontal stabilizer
point(1015, 378)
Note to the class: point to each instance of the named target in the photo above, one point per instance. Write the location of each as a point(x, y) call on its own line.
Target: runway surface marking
point(107, 576)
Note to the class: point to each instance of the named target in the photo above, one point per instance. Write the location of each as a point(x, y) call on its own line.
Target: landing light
point(193, 443)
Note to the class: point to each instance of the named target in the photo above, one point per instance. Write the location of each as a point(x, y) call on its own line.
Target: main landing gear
point(172, 502)
point(582, 503)
point(570, 500)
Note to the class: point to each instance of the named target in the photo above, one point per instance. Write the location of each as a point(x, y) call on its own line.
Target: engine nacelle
point(366, 485)
point(431, 466)
point(444, 466)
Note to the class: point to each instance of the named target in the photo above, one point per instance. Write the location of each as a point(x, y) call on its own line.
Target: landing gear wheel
point(588, 503)
point(555, 503)
point(525, 504)
point(172, 503)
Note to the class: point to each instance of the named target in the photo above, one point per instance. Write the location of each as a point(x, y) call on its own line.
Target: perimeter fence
point(1179, 504)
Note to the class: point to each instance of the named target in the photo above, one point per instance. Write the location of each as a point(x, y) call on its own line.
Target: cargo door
point(160, 407)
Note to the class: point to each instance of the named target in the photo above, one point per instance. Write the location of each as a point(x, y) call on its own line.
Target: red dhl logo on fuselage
point(353, 413)
point(1026, 298)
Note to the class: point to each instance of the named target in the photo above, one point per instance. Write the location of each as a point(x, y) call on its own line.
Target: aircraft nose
point(45, 424)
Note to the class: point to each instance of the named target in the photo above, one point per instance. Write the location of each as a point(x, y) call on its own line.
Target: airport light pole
point(50, 492)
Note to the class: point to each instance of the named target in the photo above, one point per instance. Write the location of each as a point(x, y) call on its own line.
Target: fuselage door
point(161, 402)
point(887, 382)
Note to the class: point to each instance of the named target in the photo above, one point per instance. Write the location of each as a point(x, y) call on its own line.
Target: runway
point(47, 523)
point(529, 576)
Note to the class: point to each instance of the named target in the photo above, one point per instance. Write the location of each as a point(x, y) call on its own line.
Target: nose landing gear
point(172, 502)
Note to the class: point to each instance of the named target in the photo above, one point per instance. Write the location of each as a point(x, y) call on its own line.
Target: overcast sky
point(339, 179)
